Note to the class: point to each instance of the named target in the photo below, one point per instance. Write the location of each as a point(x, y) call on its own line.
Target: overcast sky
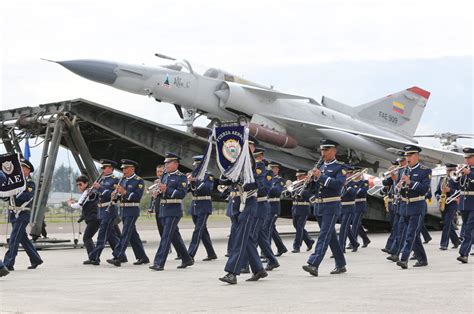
point(353, 51)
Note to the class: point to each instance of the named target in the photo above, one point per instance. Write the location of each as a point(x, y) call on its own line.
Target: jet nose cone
point(94, 70)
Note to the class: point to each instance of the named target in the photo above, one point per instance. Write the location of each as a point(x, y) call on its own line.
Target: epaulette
point(424, 167)
point(138, 178)
point(340, 163)
point(179, 173)
point(28, 180)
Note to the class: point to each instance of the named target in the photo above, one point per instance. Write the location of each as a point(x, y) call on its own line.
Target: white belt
point(300, 203)
point(102, 205)
point(331, 199)
point(274, 199)
point(17, 208)
point(262, 199)
point(414, 199)
point(467, 192)
point(201, 198)
point(326, 200)
point(363, 199)
point(129, 204)
point(348, 203)
point(171, 201)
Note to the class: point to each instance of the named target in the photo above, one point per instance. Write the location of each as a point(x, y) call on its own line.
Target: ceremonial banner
point(233, 155)
point(12, 181)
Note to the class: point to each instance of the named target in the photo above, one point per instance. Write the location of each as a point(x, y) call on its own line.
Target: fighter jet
point(289, 126)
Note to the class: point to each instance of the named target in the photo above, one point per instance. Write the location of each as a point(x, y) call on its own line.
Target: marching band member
point(399, 224)
point(360, 209)
point(277, 186)
point(88, 205)
point(129, 192)
point(300, 212)
point(347, 211)
point(446, 188)
point(466, 204)
point(173, 188)
point(244, 249)
point(388, 190)
point(414, 184)
point(107, 212)
point(264, 180)
point(331, 177)
point(19, 217)
point(200, 209)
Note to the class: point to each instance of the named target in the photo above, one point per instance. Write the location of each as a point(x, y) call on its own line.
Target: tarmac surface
point(372, 284)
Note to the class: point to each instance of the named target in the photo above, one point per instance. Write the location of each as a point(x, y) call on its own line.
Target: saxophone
point(442, 197)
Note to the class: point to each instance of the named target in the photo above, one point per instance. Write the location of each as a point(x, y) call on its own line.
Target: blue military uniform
point(264, 179)
point(276, 188)
point(244, 248)
point(89, 215)
point(107, 214)
point(200, 209)
point(388, 190)
point(232, 194)
point(129, 203)
point(449, 211)
point(466, 206)
point(300, 212)
point(171, 211)
point(19, 217)
point(360, 209)
point(331, 181)
point(413, 208)
point(347, 211)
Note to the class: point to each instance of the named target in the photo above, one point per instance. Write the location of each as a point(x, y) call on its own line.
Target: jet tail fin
point(400, 112)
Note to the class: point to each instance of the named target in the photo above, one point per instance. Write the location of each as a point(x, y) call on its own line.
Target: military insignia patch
point(258, 171)
point(183, 184)
point(8, 167)
point(231, 149)
point(269, 178)
point(140, 186)
point(344, 172)
point(30, 189)
point(211, 178)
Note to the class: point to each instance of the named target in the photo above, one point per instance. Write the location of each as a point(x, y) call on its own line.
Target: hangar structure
point(92, 131)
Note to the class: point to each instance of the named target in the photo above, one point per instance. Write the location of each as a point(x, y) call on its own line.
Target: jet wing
point(273, 95)
point(381, 147)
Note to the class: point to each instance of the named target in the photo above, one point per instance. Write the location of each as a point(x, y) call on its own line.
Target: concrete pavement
point(372, 284)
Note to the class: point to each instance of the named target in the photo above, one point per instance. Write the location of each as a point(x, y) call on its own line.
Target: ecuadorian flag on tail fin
point(398, 107)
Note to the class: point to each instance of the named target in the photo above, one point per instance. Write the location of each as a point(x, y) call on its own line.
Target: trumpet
point(388, 173)
point(457, 174)
point(152, 187)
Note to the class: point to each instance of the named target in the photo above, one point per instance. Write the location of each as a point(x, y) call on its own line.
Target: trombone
point(356, 174)
point(294, 188)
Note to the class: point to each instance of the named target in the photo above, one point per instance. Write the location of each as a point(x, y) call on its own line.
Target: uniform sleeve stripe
point(326, 182)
